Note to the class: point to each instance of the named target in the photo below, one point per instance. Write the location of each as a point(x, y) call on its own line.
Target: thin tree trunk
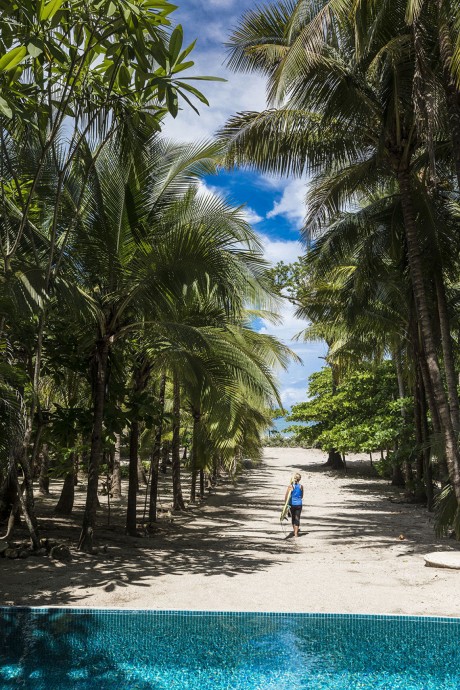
point(76, 469)
point(132, 485)
point(164, 456)
point(402, 471)
point(156, 452)
point(34, 536)
point(193, 454)
point(86, 541)
point(141, 476)
point(201, 482)
point(44, 480)
point(116, 469)
point(428, 342)
point(178, 500)
point(426, 458)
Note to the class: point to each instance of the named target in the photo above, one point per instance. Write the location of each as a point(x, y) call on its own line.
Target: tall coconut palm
point(351, 124)
point(146, 233)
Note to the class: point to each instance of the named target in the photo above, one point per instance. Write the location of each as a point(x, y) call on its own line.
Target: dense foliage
point(364, 100)
point(126, 292)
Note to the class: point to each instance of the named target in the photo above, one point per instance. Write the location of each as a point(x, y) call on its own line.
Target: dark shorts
point(295, 515)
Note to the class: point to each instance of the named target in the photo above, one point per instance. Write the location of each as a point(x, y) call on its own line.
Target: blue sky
point(275, 207)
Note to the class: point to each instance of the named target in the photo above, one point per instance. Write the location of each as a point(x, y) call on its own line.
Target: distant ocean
point(280, 425)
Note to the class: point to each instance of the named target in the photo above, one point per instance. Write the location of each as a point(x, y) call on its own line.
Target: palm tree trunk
point(201, 482)
point(132, 485)
point(447, 351)
point(178, 500)
point(426, 452)
point(426, 330)
point(141, 476)
point(44, 480)
point(404, 467)
point(116, 469)
point(193, 454)
point(28, 518)
point(86, 540)
point(156, 452)
point(66, 500)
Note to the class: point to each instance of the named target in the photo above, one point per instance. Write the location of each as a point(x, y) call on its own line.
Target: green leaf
point(206, 79)
point(195, 92)
point(175, 44)
point(172, 101)
point(112, 8)
point(48, 10)
point(12, 58)
point(35, 47)
point(187, 50)
point(5, 108)
point(124, 77)
point(181, 66)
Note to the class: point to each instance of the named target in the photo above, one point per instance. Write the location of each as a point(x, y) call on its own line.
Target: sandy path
point(232, 554)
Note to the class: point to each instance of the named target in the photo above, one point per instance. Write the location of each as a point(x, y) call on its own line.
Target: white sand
point(232, 554)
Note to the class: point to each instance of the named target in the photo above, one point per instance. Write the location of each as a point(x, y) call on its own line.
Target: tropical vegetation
point(127, 293)
point(364, 103)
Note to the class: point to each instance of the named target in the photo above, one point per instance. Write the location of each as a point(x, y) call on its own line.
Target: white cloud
point(292, 203)
point(291, 396)
point(281, 250)
point(251, 216)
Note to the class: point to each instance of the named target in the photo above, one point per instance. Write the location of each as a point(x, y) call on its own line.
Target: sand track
point(230, 553)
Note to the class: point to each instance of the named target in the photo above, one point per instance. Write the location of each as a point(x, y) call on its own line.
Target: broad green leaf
point(180, 67)
point(5, 108)
point(172, 101)
point(175, 44)
point(12, 58)
point(48, 10)
point(112, 8)
point(195, 92)
point(185, 52)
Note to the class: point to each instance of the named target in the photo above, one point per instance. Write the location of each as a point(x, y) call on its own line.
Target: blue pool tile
point(87, 649)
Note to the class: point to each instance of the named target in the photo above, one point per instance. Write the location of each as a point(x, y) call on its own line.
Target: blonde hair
point(296, 478)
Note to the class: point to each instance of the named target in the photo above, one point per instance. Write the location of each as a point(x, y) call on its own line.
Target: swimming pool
point(82, 649)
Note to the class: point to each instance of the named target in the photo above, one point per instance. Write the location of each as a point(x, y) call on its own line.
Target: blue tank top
point(296, 495)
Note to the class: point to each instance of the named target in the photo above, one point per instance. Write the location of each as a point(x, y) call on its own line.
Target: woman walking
point(295, 489)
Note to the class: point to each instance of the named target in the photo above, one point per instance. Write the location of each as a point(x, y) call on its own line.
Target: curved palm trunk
point(426, 330)
point(156, 453)
point(178, 500)
point(86, 541)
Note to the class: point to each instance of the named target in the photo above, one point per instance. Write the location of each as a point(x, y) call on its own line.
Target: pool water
point(57, 649)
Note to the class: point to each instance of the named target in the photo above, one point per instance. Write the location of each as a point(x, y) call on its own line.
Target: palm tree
point(350, 123)
point(146, 233)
